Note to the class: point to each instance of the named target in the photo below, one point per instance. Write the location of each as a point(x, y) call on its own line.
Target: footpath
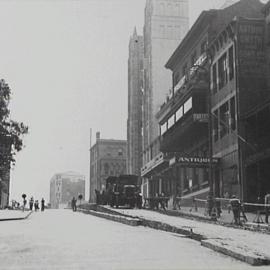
point(8, 215)
point(248, 246)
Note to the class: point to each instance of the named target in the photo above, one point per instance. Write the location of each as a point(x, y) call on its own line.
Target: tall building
point(134, 122)
point(65, 186)
point(107, 158)
point(166, 23)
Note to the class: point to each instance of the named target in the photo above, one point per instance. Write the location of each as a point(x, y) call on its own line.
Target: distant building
point(65, 186)
point(134, 122)
point(108, 158)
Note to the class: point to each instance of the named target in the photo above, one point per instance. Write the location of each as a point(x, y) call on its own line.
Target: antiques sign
point(193, 160)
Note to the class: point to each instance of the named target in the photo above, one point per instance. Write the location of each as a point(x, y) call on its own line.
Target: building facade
point(65, 186)
point(240, 104)
point(108, 158)
point(134, 122)
point(186, 163)
point(166, 23)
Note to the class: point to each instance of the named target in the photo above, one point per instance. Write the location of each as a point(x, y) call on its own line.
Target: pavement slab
point(248, 243)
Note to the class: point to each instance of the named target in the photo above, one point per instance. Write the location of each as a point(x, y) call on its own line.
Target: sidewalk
point(249, 246)
point(6, 215)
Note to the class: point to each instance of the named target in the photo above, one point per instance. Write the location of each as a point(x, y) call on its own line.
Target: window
point(193, 58)
point(222, 71)
point(171, 121)
point(214, 78)
point(203, 46)
point(176, 78)
point(231, 63)
point(215, 125)
point(224, 119)
point(106, 168)
point(120, 152)
point(184, 70)
point(163, 128)
point(179, 113)
point(188, 105)
point(232, 120)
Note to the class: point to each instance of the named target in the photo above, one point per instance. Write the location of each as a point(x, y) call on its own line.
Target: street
point(62, 239)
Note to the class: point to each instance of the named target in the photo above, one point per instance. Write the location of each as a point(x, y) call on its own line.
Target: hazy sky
point(66, 63)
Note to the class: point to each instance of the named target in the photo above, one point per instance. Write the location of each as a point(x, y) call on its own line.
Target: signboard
point(201, 117)
point(196, 160)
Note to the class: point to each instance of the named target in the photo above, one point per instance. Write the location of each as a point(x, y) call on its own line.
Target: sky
point(66, 64)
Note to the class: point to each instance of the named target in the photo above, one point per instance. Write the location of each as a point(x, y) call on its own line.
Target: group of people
point(35, 204)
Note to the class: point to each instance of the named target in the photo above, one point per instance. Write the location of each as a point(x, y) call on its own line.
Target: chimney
point(97, 135)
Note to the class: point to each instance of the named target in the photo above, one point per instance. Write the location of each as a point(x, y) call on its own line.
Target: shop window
point(214, 78)
point(232, 123)
point(222, 71)
point(231, 63)
point(224, 119)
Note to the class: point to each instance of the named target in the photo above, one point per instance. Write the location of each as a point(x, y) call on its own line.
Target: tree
point(11, 132)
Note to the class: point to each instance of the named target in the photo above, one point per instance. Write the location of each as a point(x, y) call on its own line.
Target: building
point(186, 159)
point(241, 106)
point(107, 158)
point(134, 122)
point(65, 186)
point(166, 23)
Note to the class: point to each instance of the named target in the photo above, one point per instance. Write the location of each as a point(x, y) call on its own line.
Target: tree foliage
point(11, 132)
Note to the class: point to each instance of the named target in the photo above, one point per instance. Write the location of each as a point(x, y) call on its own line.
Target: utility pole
point(90, 145)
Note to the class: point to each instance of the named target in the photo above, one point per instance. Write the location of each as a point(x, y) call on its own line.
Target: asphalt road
point(62, 239)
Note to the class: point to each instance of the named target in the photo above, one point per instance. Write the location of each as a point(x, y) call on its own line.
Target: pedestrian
point(24, 203)
point(73, 204)
point(31, 203)
point(36, 205)
point(235, 203)
point(267, 206)
point(42, 204)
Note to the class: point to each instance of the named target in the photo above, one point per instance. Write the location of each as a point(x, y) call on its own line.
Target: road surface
point(62, 239)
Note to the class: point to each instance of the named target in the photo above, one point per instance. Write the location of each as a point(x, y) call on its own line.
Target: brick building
point(108, 158)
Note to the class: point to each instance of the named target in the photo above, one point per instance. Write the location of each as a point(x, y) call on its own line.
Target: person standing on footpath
point(267, 206)
point(235, 203)
point(73, 204)
point(31, 203)
point(42, 204)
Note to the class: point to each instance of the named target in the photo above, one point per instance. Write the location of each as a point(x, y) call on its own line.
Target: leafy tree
point(11, 132)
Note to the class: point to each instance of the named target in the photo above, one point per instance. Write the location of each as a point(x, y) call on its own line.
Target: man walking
point(42, 204)
point(267, 206)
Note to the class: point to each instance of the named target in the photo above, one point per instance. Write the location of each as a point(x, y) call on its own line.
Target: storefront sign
point(196, 160)
point(200, 117)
